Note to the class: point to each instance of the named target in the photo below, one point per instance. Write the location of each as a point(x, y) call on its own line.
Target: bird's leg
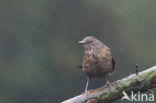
point(86, 89)
point(109, 84)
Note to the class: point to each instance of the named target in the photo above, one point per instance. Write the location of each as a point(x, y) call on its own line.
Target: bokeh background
point(39, 53)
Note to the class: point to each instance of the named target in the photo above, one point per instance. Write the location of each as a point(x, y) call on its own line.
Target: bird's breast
point(97, 63)
point(88, 59)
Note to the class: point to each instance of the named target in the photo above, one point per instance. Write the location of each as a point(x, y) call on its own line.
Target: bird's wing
point(104, 59)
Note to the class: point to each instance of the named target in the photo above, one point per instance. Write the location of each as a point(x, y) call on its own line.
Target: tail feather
point(113, 68)
point(111, 73)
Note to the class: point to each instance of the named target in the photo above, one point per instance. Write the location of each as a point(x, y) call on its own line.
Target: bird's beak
point(81, 42)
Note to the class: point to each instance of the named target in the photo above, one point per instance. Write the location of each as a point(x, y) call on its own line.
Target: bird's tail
point(113, 68)
point(111, 73)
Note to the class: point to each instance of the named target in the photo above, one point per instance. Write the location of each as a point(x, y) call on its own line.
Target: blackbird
point(97, 60)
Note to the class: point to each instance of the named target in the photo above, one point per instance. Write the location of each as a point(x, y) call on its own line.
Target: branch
point(141, 82)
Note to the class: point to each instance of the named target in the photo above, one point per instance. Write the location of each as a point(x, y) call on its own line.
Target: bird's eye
point(91, 42)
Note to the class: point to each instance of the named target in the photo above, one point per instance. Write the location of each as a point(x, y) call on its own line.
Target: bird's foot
point(110, 85)
point(86, 92)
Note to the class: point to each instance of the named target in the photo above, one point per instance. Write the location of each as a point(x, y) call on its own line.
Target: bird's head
point(89, 42)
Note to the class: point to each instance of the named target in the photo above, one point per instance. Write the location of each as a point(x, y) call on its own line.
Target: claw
point(110, 85)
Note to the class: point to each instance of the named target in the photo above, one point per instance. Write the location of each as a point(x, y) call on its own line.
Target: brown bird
point(97, 60)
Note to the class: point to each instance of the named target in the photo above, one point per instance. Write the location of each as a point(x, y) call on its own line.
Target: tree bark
point(138, 82)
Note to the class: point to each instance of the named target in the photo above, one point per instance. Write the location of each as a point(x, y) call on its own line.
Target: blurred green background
point(39, 53)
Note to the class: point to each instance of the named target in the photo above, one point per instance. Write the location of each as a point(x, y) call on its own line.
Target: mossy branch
point(143, 81)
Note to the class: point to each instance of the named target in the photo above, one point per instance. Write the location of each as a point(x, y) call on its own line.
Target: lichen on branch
point(142, 82)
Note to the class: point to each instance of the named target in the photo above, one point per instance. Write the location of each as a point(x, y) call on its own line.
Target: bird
point(98, 61)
